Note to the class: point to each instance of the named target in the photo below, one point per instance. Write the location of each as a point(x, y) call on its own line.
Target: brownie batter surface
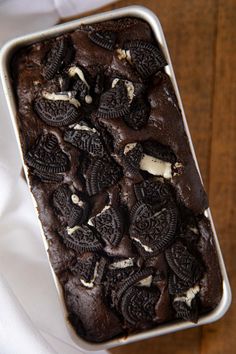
point(117, 190)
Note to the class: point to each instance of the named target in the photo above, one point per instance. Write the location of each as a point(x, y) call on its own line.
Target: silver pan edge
point(5, 56)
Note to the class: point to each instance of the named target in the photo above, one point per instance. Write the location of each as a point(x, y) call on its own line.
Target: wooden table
point(201, 38)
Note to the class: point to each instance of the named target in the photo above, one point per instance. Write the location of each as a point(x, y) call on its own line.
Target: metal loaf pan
point(148, 16)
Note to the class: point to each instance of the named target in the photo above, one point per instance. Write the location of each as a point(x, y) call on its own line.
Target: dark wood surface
point(201, 38)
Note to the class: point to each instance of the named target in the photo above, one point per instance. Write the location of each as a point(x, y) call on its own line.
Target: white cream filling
point(74, 70)
point(189, 295)
point(129, 87)
point(129, 262)
point(88, 99)
point(176, 166)
point(155, 166)
point(84, 127)
point(61, 97)
point(90, 283)
point(129, 147)
point(124, 54)
point(75, 199)
point(145, 282)
point(71, 230)
point(147, 249)
point(194, 230)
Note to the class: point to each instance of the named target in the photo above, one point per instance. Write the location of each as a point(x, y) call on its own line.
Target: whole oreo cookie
point(146, 57)
point(56, 113)
point(162, 152)
point(60, 55)
point(46, 157)
point(104, 39)
point(70, 205)
point(86, 139)
point(139, 113)
point(152, 191)
point(82, 239)
point(100, 175)
point(183, 263)
point(153, 231)
point(109, 224)
point(114, 103)
point(138, 305)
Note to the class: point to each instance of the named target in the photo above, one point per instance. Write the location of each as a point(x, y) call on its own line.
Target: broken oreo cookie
point(46, 157)
point(61, 54)
point(152, 191)
point(138, 304)
point(56, 113)
point(73, 209)
point(114, 103)
point(161, 152)
point(104, 39)
point(82, 239)
point(152, 230)
point(146, 57)
point(109, 224)
point(130, 159)
point(85, 265)
point(183, 263)
point(86, 139)
point(100, 175)
point(139, 113)
point(177, 285)
point(186, 312)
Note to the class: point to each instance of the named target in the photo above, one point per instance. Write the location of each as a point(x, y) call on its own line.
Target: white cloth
point(31, 319)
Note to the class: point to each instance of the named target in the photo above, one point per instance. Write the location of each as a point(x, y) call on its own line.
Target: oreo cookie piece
point(133, 153)
point(49, 178)
point(152, 230)
point(100, 175)
point(162, 152)
point(46, 157)
point(60, 55)
point(81, 88)
point(109, 224)
point(70, 205)
point(56, 113)
point(132, 280)
point(152, 191)
point(146, 57)
point(104, 39)
point(138, 305)
point(114, 103)
point(139, 113)
point(183, 263)
point(99, 83)
point(82, 239)
point(116, 276)
point(85, 139)
point(177, 285)
point(185, 312)
point(85, 265)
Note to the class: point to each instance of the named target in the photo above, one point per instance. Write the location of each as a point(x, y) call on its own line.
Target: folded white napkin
point(31, 320)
